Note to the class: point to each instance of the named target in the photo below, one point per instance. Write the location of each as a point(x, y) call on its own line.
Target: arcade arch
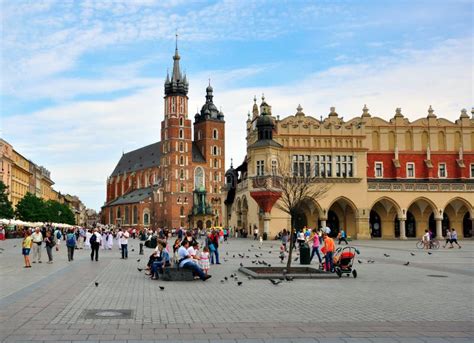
point(342, 214)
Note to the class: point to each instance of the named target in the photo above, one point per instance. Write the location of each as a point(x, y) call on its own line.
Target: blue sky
point(82, 81)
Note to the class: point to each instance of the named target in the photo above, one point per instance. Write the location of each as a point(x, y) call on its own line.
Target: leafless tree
point(295, 185)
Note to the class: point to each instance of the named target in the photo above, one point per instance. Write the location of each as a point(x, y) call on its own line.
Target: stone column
point(439, 228)
point(323, 223)
point(266, 223)
point(402, 228)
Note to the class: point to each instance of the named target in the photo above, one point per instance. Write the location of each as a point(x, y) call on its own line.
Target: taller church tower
point(176, 150)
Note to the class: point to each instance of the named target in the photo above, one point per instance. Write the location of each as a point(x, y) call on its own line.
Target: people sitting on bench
point(186, 262)
point(159, 259)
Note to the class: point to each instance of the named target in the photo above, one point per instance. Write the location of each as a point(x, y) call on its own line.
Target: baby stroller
point(344, 261)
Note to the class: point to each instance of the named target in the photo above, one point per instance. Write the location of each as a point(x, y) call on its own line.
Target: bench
point(175, 274)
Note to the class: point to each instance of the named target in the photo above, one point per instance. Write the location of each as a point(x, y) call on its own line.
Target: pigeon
point(269, 265)
point(386, 255)
point(265, 263)
point(275, 282)
point(429, 253)
point(239, 283)
point(296, 259)
point(269, 252)
point(133, 249)
point(14, 246)
point(96, 284)
point(225, 278)
point(249, 250)
point(233, 256)
point(139, 269)
point(254, 261)
point(138, 260)
point(227, 253)
point(162, 288)
point(406, 264)
point(257, 256)
point(232, 275)
point(225, 260)
point(222, 281)
point(412, 254)
point(252, 245)
point(370, 261)
point(359, 261)
point(241, 264)
point(247, 256)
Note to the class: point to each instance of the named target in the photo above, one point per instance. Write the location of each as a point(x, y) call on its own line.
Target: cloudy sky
point(82, 81)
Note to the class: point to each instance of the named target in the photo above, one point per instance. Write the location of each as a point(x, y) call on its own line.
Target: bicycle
point(434, 244)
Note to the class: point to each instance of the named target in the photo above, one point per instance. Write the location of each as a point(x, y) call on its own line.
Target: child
point(282, 252)
point(26, 247)
point(204, 261)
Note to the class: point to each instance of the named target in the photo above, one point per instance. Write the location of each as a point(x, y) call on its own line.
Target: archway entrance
point(467, 226)
point(375, 225)
point(307, 214)
point(200, 224)
point(421, 209)
point(341, 214)
point(300, 220)
point(410, 226)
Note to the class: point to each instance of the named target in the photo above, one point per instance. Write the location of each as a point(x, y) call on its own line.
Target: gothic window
point(216, 176)
point(198, 178)
point(181, 147)
point(181, 174)
point(181, 133)
point(181, 160)
point(173, 105)
point(146, 219)
point(216, 163)
point(135, 214)
point(181, 121)
point(111, 216)
point(181, 211)
point(127, 215)
point(119, 214)
point(215, 134)
point(214, 151)
point(182, 188)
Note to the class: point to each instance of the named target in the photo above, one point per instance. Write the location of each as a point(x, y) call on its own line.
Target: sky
point(82, 81)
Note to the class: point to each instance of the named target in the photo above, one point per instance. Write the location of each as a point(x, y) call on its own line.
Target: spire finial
point(176, 34)
point(263, 97)
point(254, 99)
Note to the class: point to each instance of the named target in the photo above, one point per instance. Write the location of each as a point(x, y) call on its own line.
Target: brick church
point(177, 181)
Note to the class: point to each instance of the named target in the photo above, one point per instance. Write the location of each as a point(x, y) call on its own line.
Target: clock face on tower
point(199, 178)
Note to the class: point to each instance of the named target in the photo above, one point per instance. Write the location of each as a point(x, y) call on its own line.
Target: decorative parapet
point(419, 187)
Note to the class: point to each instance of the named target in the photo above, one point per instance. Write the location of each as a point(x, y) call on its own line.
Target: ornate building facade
point(389, 179)
point(177, 181)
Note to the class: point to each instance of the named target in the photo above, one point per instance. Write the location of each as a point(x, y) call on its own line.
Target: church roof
point(132, 197)
point(145, 157)
point(197, 155)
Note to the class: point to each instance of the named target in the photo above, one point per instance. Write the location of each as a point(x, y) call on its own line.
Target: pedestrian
point(255, 234)
point(213, 244)
point(300, 238)
point(454, 238)
point(315, 249)
point(87, 243)
point(204, 260)
point(110, 241)
point(448, 239)
point(37, 238)
point(426, 240)
point(284, 239)
point(95, 241)
point(329, 248)
point(82, 236)
point(342, 236)
point(49, 243)
point(124, 244)
point(58, 235)
point(70, 244)
point(26, 248)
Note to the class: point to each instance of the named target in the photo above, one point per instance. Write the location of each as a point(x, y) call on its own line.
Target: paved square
point(431, 300)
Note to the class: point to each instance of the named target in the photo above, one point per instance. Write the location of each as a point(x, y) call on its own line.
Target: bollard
point(141, 249)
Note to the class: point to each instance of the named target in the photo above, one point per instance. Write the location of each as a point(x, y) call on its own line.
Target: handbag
point(212, 247)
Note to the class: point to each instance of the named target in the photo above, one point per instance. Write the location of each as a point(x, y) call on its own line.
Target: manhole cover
point(107, 314)
point(435, 275)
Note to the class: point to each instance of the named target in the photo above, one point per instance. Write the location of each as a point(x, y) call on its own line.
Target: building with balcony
point(388, 179)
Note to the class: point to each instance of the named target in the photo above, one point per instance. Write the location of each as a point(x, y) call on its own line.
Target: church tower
point(176, 151)
point(209, 137)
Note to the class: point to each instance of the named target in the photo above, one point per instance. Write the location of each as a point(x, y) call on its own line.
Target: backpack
point(93, 239)
point(71, 240)
point(58, 235)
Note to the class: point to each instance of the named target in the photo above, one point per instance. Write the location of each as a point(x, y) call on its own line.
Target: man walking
point(342, 237)
point(82, 236)
point(37, 238)
point(95, 241)
point(123, 239)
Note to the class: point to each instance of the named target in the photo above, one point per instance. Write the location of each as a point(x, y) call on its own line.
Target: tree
point(59, 213)
point(293, 188)
point(31, 208)
point(6, 208)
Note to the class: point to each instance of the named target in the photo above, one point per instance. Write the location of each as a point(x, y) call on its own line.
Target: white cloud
point(81, 141)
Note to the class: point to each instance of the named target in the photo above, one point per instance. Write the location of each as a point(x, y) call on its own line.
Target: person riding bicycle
point(426, 239)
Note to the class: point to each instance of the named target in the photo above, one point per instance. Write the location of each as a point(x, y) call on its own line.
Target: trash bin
point(305, 254)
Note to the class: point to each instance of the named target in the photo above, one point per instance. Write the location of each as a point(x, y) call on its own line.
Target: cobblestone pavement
point(430, 300)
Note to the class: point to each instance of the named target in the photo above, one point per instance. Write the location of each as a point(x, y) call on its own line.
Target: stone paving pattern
point(388, 302)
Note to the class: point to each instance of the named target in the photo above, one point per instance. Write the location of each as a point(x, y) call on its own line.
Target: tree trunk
point(292, 231)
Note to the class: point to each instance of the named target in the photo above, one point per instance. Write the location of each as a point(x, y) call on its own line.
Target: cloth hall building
point(389, 179)
point(177, 181)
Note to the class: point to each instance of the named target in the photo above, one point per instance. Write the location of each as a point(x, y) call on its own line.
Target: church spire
point(178, 83)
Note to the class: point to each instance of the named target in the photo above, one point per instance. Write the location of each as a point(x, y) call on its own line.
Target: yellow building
point(6, 163)
point(389, 179)
point(20, 181)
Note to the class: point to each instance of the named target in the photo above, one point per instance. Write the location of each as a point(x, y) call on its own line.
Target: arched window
point(111, 216)
point(181, 133)
point(181, 160)
point(216, 163)
point(181, 174)
point(182, 188)
point(181, 211)
point(424, 140)
point(146, 218)
point(198, 178)
point(181, 121)
point(214, 150)
point(408, 141)
point(181, 147)
point(199, 135)
point(119, 214)
point(135, 214)
point(127, 215)
point(215, 134)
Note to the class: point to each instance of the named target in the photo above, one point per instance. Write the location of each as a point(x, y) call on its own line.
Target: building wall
point(20, 178)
